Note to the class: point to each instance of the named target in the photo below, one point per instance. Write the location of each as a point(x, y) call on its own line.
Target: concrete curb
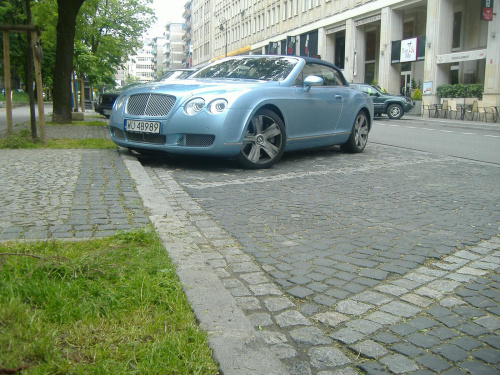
point(236, 345)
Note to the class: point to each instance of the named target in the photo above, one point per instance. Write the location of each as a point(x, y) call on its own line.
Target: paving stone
point(408, 349)
point(373, 368)
point(392, 289)
point(439, 311)
point(310, 336)
point(398, 364)
point(451, 352)
point(433, 362)
point(373, 273)
point(283, 351)
point(291, 318)
point(331, 318)
point(327, 357)
point(488, 355)
point(383, 318)
point(416, 300)
point(386, 338)
point(300, 291)
point(347, 335)
point(451, 320)
point(466, 343)
point(364, 326)
point(373, 298)
point(422, 323)
point(494, 341)
point(454, 371)
point(423, 341)
point(260, 320)
point(472, 329)
point(370, 349)
point(403, 329)
point(478, 368)
point(278, 304)
point(400, 309)
point(351, 307)
point(442, 333)
point(451, 302)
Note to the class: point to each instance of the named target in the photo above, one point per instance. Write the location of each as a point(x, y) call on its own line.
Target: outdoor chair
point(472, 111)
point(452, 108)
point(444, 109)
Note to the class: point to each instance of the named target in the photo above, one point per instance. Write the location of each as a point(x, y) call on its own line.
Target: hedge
point(460, 90)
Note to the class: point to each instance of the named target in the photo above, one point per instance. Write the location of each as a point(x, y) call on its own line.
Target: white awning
point(477, 54)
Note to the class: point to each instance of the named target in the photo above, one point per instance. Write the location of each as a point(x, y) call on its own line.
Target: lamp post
point(222, 27)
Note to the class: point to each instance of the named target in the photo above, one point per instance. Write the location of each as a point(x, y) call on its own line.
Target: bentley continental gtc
point(251, 108)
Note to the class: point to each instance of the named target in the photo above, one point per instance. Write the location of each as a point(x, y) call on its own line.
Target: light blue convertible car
point(252, 108)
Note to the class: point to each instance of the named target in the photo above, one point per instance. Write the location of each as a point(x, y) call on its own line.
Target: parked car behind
point(106, 100)
point(252, 108)
point(394, 106)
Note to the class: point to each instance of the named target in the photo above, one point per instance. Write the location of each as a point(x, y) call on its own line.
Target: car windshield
point(257, 68)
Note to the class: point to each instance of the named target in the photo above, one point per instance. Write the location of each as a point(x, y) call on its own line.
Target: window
point(285, 8)
point(457, 30)
point(330, 76)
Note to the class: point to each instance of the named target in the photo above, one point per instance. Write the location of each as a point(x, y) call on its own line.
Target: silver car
point(252, 108)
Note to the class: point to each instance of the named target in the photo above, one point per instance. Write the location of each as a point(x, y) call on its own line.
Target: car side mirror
point(313, 81)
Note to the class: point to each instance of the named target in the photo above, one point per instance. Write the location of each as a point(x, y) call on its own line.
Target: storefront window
point(457, 30)
point(340, 51)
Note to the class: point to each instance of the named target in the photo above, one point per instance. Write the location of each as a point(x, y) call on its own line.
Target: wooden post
point(37, 54)
point(82, 95)
point(6, 67)
point(74, 90)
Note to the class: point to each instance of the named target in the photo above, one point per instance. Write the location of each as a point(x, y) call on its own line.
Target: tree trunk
point(66, 23)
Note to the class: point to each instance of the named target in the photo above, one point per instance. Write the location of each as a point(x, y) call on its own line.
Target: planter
point(417, 108)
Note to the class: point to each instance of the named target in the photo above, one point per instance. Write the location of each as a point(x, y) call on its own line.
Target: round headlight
point(119, 102)
point(194, 106)
point(217, 106)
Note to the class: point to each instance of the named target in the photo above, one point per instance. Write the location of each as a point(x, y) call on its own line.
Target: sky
point(166, 11)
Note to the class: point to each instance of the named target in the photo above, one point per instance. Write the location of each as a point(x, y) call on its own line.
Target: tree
point(67, 11)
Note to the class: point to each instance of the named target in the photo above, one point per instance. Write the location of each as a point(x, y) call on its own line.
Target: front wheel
point(395, 111)
point(264, 141)
point(359, 135)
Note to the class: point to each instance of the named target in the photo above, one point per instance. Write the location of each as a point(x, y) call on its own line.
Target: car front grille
point(196, 140)
point(156, 139)
point(154, 105)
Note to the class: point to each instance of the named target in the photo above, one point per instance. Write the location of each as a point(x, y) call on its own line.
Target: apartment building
point(175, 45)
point(141, 65)
point(392, 42)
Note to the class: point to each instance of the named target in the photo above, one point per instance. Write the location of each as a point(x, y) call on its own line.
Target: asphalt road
point(20, 115)
point(381, 261)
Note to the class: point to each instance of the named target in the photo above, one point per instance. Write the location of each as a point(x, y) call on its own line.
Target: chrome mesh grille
point(155, 105)
point(196, 140)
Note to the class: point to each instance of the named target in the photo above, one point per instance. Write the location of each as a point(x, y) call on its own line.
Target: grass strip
point(23, 140)
point(105, 306)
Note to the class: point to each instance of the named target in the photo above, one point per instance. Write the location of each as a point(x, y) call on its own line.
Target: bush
point(460, 90)
point(417, 95)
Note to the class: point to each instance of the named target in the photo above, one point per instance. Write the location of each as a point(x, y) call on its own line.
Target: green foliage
point(107, 306)
point(461, 90)
point(417, 95)
point(17, 97)
point(415, 85)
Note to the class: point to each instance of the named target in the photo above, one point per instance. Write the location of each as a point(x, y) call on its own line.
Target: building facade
point(392, 42)
point(158, 45)
point(141, 65)
point(175, 46)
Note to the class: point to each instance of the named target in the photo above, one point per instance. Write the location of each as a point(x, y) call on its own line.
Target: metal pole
point(6, 68)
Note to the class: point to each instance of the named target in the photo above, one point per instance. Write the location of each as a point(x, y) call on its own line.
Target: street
point(388, 255)
point(20, 115)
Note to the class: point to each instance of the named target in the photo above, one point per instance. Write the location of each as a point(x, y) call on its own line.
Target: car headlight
point(119, 102)
point(217, 106)
point(194, 106)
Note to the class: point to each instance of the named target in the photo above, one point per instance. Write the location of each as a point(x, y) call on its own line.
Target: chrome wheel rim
point(361, 131)
point(263, 140)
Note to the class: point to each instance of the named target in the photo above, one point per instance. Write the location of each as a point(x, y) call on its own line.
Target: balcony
point(186, 37)
point(187, 13)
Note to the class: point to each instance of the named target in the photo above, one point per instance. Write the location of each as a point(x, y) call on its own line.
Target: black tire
point(264, 141)
point(359, 135)
point(395, 111)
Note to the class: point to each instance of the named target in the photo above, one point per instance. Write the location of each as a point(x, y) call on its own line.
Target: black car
point(393, 105)
point(106, 100)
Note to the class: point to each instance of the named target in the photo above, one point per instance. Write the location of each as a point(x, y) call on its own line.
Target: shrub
point(460, 90)
point(417, 95)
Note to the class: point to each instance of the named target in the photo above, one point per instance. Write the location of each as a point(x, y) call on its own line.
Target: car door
point(317, 110)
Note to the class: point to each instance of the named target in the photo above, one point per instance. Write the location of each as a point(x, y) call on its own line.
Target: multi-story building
point(175, 45)
point(392, 42)
point(158, 55)
point(141, 65)
point(187, 60)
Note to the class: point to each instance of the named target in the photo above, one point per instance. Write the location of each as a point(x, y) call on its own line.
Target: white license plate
point(142, 126)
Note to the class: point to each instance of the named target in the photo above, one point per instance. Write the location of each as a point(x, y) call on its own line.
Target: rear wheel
point(264, 141)
point(359, 135)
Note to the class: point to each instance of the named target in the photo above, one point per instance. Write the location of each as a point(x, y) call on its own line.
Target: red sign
point(487, 10)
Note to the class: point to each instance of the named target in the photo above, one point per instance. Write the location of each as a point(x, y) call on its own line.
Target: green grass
point(21, 97)
point(107, 306)
point(80, 123)
point(23, 140)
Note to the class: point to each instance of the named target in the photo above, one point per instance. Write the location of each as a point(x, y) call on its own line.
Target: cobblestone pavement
point(383, 262)
point(67, 194)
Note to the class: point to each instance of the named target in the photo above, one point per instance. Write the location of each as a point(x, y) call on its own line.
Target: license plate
point(142, 126)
